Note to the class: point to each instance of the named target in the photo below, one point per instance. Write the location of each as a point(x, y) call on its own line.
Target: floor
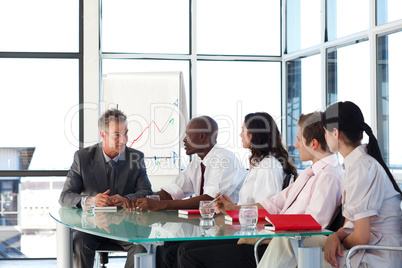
point(113, 263)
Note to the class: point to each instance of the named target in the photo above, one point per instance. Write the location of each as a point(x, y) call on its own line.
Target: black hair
point(266, 140)
point(348, 118)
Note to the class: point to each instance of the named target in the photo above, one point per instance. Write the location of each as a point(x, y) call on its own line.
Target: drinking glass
point(207, 210)
point(88, 221)
point(88, 203)
point(207, 227)
point(154, 197)
point(248, 216)
point(246, 230)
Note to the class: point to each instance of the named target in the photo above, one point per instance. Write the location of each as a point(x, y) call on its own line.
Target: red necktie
point(202, 179)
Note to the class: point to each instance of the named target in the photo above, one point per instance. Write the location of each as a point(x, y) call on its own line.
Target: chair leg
point(103, 258)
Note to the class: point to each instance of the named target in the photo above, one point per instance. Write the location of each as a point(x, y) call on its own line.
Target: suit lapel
point(99, 169)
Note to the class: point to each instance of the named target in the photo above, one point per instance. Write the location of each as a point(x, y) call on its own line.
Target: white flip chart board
point(155, 105)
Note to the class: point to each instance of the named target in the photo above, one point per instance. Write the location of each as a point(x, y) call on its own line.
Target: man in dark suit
point(111, 172)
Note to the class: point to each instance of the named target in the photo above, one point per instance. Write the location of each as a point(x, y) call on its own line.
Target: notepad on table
point(284, 222)
point(189, 211)
point(190, 216)
point(105, 209)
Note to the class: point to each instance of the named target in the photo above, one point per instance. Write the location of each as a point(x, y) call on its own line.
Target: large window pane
point(25, 220)
point(236, 27)
point(304, 96)
point(389, 96)
point(303, 24)
point(227, 91)
point(152, 26)
point(40, 108)
point(388, 10)
point(349, 77)
point(345, 17)
point(39, 26)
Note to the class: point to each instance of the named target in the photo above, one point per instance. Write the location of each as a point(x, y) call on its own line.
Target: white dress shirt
point(262, 182)
point(223, 171)
point(318, 195)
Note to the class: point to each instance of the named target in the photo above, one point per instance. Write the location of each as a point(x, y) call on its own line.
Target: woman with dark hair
point(269, 160)
point(370, 196)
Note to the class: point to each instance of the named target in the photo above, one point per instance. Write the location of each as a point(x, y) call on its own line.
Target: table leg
point(64, 246)
point(306, 257)
point(146, 260)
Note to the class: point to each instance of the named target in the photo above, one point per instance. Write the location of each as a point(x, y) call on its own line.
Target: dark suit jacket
point(87, 176)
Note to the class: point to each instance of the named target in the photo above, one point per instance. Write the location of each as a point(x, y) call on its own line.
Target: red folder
point(189, 216)
point(189, 211)
point(281, 222)
point(233, 215)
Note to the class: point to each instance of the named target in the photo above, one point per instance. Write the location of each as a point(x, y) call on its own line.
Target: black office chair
point(102, 253)
point(287, 181)
point(338, 221)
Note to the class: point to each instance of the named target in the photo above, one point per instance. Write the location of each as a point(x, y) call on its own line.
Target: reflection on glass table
point(153, 227)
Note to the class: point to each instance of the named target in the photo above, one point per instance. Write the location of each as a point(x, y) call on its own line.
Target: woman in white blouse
point(370, 196)
point(269, 160)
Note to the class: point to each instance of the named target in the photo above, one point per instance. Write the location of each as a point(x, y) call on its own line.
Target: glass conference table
point(150, 228)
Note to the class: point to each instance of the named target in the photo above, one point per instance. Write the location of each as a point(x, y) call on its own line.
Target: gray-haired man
point(113, 173)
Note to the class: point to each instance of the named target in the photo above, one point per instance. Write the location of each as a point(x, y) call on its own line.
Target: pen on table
point(216, 198)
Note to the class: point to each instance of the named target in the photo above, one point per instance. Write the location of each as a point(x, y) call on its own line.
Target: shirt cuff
point(365, 214)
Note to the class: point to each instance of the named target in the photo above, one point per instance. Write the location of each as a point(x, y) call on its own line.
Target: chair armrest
point(356, 248)
point(256, 249)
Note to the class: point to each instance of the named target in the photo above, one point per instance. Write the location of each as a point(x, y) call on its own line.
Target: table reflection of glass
point(152, 227)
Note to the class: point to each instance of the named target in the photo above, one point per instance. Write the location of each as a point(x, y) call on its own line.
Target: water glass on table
point(207, 209)
point(88, 221)
point(248, 216)
point(88, 203)
point(207, 227)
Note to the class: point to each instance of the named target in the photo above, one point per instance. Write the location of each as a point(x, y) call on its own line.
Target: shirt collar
point(331, 160)
point(107, 158)
point(351, 158)
point(210, 156)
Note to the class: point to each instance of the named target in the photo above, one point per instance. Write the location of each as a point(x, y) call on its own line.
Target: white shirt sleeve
point(269, 180)
point(224, 172)
point(182, 185)
point(275, 204)
point(364, 189)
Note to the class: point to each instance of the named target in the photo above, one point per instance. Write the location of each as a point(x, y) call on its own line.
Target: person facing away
point(213, 170)
point(317, 191)
point(91, 175)
point(269, 162)
point(371, 197)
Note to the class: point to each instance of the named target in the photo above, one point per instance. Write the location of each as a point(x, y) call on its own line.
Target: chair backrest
point(286, 180)
point(338, 221)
